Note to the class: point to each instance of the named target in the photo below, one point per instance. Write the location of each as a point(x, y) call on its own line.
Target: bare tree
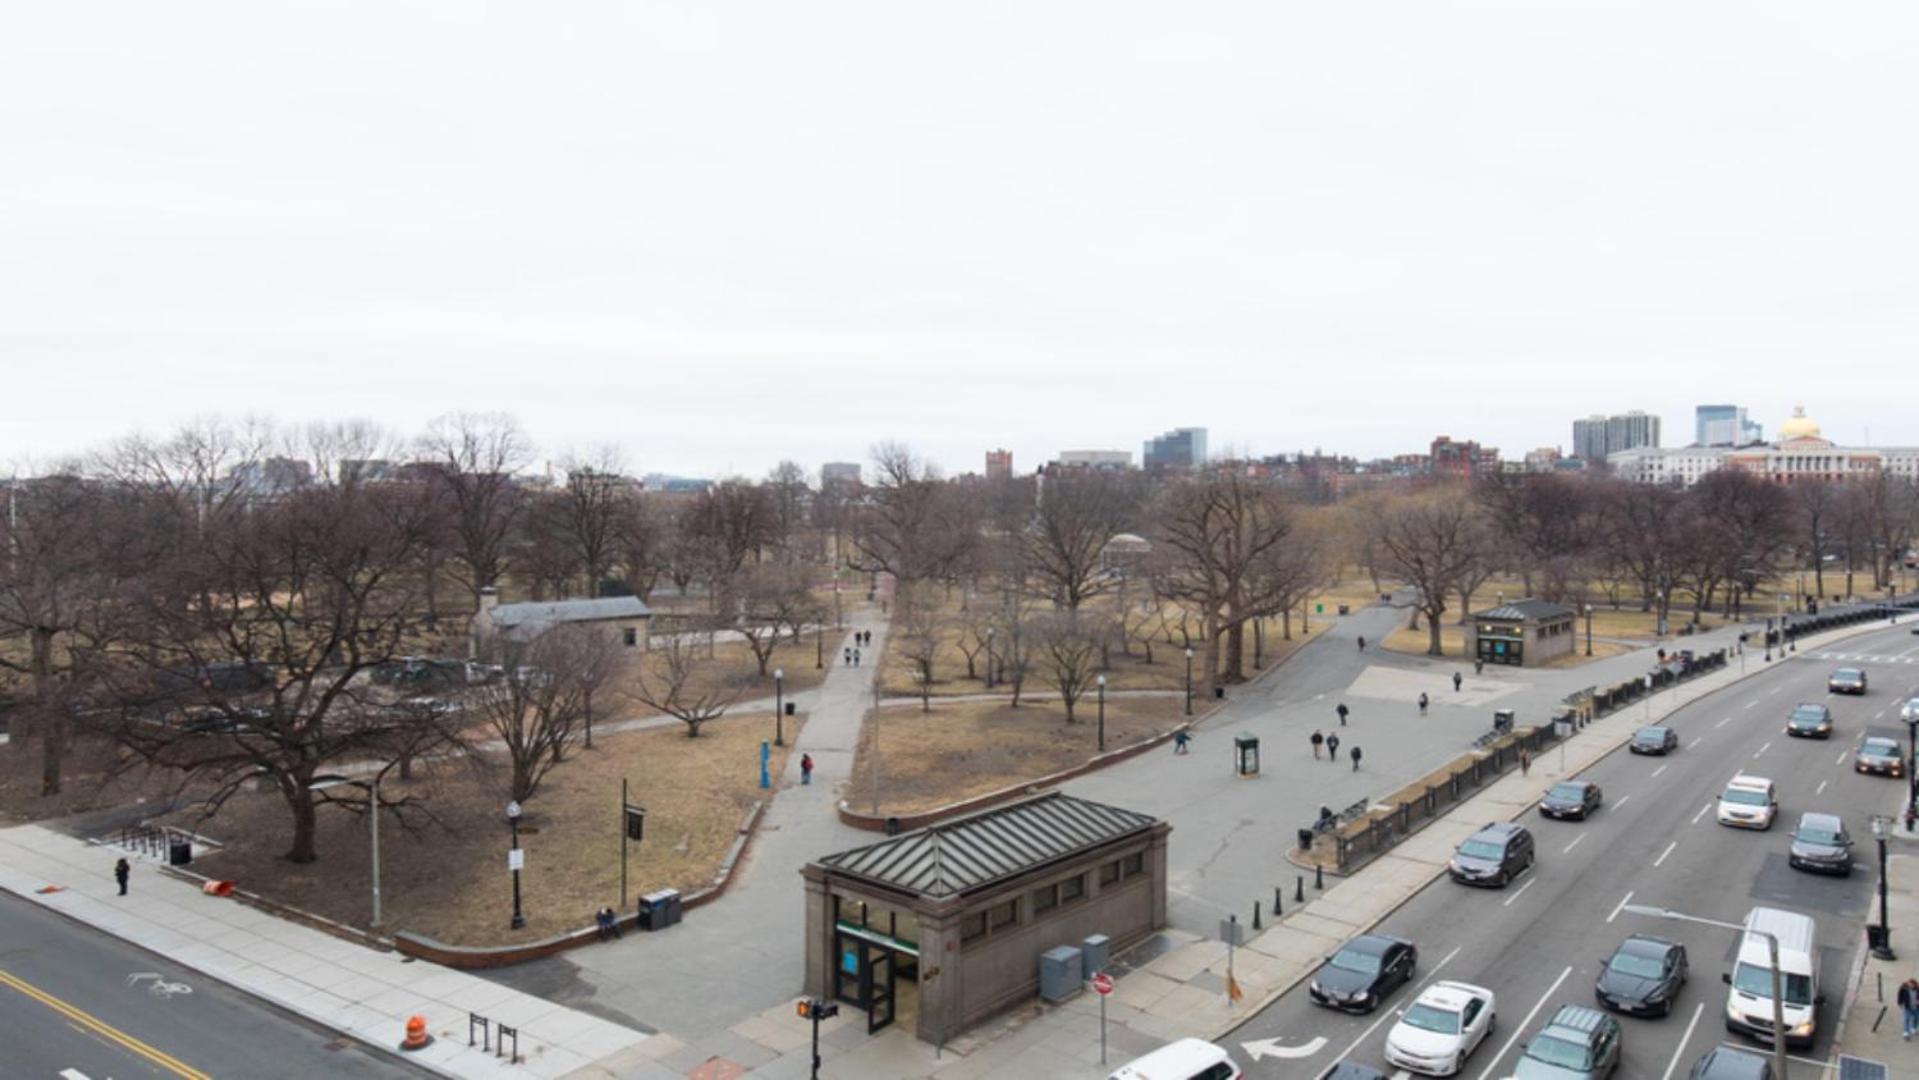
point(675, 688)
point(913, 525)
point(473, 461)
point(1816, 506)
point(1219, 528)
point(1075, 518)
point(1013, 642)
point(1427, 540)
point(1069, 653)
point(591, 507)
point(544, 702)
point(919, 629)
point(771, 599)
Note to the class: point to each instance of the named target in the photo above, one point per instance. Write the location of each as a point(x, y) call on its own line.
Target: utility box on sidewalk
point(1096, 952)
point(659, 910)
point(1060, 973)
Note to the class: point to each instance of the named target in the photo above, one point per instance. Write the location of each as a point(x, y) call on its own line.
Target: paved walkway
point(1871, 1025)
point(331, 981)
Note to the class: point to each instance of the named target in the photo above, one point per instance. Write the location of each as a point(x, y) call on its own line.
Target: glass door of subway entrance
point(865, 978)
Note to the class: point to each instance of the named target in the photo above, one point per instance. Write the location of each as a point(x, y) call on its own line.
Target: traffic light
point(816, 1010)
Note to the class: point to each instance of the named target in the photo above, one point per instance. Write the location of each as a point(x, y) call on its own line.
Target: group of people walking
point(851, 654)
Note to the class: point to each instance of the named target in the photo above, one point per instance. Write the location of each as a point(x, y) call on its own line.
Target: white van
point(1749, 802)
point(1187, 1059)
point(1749, 1001)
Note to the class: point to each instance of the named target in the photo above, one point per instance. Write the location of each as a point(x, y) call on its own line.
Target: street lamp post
point(819, 646)
point(1189, 682)
point(1589, 629)
point(779, 706)
point(1101, 681)
point(1881, 825)
point(514, 861)
point(1772, 954)
point(1768, 639)
point(989, 658)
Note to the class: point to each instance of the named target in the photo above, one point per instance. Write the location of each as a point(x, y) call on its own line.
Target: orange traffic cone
point(218, 888)
point(416, 1036)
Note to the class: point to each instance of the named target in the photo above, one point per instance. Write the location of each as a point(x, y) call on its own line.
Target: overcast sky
point(721, 234)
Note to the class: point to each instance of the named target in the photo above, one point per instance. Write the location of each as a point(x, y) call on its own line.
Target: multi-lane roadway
point(1539, 942)
point(79, 1005)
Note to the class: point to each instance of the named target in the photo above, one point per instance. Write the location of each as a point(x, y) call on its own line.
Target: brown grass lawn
point(86, 782)
point(963, 749)
point(449, 881)
point(732, 668)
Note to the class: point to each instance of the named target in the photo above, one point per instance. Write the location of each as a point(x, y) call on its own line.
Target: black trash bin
point(179, 853)
point(789, 708)
point(660, 909)
point(1305, 839)
point(892, 826)
point(1219, 693)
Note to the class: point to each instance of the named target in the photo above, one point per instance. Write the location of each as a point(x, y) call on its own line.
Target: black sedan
point(1360, 975)
point(1810, 722)
point(1656, 739)
point(1571, 799)
point(1880, 755)
point(1642, 977)
point(1846, 680)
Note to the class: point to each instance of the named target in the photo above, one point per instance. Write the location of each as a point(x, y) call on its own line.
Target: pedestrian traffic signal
point(816, 1010)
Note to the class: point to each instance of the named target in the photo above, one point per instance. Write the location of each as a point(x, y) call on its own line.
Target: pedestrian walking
point(856, 658)
point(1362, 643)
point(806, 768)
point(1422, 703)
point(846, 654)
point(122, 871)
point(1525, 762)
point(1457, 679)
point(1318, 741)
point(1909, 1008)
point(1180, 739)
point(1355, 759)
point(1479, 666)
point(1341, 710)
point(1332, 749)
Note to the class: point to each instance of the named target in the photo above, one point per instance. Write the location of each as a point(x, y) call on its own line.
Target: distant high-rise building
point(999, 464)
point(842, 474)
point(1597, 436)
point(1724, 425)
point(1180, 448)
point(1113, 460)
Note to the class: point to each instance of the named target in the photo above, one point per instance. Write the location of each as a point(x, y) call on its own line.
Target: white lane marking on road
point(1317, 697)
point(1568, 848)
point(1701, 813)
point(1621, 802)
point(1623, 901)
point(1370, 1028)
point(1433, 972)
point(1265, 1048)
point(1880, 715)
point(1493, 1066)
point(1663, 854)
point(1656, 772)
point(1775, 690)
point(1762, 749)
point(73, 1074)
point(1683, 1040)
point(1520, 893)
point(1750, 704)
point(1821, 789)
point(1724, 722)
point(1841, 759)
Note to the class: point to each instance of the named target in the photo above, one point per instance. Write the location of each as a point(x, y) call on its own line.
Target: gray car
point(1578, 1043)
point(1820, 845)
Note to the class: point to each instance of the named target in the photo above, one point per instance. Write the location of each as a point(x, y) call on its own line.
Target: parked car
point(1576, 1044)
point(1493, 856)
point(1910, 710)
point(1846, 680)
point(1360, 975)
point(1642, 976)
point(1731, 1063)
point(1352, 1070)
point(1880, 755)
point(1810, 722)
point(1441, 1029)
point(1821, 845)
point(1571, 799)
point(1657, 739)
point(1749, 802)
point(1196, 1059)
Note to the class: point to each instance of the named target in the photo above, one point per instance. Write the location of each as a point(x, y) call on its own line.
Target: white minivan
point(1749, 1001)
point(1187, 1059)
point(1749, 802)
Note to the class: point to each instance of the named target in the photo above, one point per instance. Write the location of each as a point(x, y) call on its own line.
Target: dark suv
point(1576, 1044)
point(1820, 844)
point(1810, 722)
point(1493, 856)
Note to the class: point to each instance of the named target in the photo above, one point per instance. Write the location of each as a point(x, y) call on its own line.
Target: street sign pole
point(1102, 985)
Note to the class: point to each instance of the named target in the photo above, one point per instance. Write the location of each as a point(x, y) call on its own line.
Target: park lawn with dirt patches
point(962, 749)
point(449, 880)
point(731, 669)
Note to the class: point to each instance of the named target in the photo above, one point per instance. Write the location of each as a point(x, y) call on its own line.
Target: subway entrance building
point(1521, 633)
point(944, 926)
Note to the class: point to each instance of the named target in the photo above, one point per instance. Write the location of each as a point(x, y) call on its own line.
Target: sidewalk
point(331, 981)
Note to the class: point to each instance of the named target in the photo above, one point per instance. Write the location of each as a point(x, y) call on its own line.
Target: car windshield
point(1810, 835)
point(1744, 797)
point(1651, 734)
point(1566, 791)
point(1756, 979)
point(1482, 849)
point(1644, 967)
point(1557, 1051)
point(1809, 713)
point(1880, 748)
point(1846, 674)
point(1354, 960)
point(1432, 1018)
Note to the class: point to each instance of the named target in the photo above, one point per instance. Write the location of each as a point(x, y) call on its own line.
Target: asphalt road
point(1539, 942)
point(76, 1003)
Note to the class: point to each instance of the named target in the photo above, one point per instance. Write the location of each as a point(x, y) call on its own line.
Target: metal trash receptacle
point(1060, 973)
point(659, 910)
point(1096, 952)
point(179, 853)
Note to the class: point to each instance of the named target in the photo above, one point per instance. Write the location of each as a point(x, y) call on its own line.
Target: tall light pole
point(1589, 629)
point(1772, 954)
point(514, 860)
point(1101, 681)
point(1189, 681)
point(779, 706)
point(819, 644)
point(989, 657)
point(373, 815)
point(1881, 825)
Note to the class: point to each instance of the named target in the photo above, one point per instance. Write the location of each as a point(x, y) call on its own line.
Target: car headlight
point(1800, 1030)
